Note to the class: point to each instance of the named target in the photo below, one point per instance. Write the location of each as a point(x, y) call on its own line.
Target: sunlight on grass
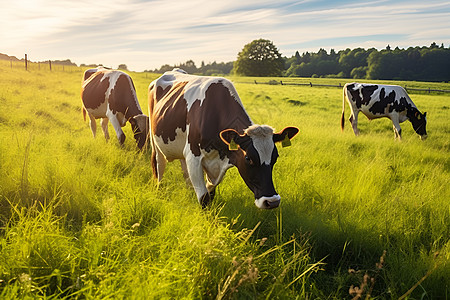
point(82, 217)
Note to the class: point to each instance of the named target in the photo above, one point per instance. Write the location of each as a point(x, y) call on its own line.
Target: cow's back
point(93, 93)
point(112, 87)
point(199, 106)
point(378, 100)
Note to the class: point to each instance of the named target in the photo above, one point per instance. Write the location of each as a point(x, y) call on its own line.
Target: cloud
point(147, 34)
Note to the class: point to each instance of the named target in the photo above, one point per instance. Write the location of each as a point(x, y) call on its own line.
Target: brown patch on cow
point(93, 92)
point(169, 112)
point(160, 92)
point(218, 111)
point(88, 73)
point(123, 97)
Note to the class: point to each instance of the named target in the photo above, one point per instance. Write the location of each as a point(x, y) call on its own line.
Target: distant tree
point(259, 58)
point(189, 66)
point(122, 67)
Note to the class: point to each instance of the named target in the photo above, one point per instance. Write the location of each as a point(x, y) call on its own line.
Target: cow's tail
point(344, 94)
point(154, 164)
point(84, 113)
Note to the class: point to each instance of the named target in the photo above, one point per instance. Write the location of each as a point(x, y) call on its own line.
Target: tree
point(122, 67)
point(259, 58)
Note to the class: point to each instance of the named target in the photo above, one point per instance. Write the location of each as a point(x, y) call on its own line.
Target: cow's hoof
point(122, 139)
point(205, 199)
point(212, 194)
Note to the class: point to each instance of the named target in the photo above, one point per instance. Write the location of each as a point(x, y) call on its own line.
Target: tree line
point(415, 63)
point(262, 58)
point(209, 69)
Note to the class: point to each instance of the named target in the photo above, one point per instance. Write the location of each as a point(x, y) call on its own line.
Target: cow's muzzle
point(423, 137)
point(268, 202)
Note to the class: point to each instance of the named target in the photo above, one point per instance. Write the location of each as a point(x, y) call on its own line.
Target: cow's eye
point(248, 160)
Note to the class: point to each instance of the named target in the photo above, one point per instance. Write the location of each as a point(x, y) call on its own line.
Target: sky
point(145, 34)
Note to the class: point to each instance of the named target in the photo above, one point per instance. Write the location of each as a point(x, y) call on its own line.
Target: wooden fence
point(42, 65)
point(274, 82)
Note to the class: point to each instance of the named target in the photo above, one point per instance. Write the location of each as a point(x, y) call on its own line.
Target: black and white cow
point(111, 95)
point(201, 121)
point(377, 101)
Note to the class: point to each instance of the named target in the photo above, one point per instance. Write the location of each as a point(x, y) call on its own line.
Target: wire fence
point(58, 66)
point(310, 84)
point(49, 65)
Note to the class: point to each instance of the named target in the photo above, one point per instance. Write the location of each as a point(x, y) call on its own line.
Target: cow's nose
point(268, 202)
point(423, 137)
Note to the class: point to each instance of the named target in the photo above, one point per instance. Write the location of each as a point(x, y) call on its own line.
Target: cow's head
point(419, 123)
point(139, 124)
point(254, 154)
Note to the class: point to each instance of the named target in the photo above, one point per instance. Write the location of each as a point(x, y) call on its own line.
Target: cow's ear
point(285, 136)
point(232, 138)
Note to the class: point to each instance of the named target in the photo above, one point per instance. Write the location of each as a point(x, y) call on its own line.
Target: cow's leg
point(195, 171)
point(354, 121)
point(93, 125)
point(397, 128)
point(104, 123)
point(213, 177)
point(185, 172)
point(158, 163)
point(211, 187)
point(116, 124)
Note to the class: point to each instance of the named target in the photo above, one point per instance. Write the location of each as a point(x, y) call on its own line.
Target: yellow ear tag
point(286, 142)
point(418, 117)
point(232, 145)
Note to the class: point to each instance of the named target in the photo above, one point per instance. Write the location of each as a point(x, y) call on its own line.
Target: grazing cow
point(110, 95)
point(377, 101)
point(201, 121)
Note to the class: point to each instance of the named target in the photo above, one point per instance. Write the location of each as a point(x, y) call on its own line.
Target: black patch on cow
point(168, 112)
point(122, 98)
point(366, 91)
point(379, 107)
point(387, 103)
point(218, 111)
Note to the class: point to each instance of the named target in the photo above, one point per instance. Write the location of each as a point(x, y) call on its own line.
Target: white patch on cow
point(196, 87)
point(173, 149)
point(164, 81)
point(262, 138)
point(268, 202)
point(133, 91)
point(113, 77)
point(98, 112)
point(214, 167)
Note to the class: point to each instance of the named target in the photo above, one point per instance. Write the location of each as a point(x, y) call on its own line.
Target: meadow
point(364, 217)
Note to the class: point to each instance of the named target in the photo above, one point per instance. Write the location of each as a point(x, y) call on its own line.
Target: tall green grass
point(82, 217)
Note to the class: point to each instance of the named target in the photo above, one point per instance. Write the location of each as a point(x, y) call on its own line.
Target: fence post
point(26, 62)
point(50, 64)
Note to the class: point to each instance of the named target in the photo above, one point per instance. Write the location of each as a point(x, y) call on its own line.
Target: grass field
point(84, 218)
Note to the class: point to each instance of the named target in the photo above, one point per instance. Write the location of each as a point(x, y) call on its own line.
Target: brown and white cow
point(111, 95)
point(377, 101)
point(201, 121)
